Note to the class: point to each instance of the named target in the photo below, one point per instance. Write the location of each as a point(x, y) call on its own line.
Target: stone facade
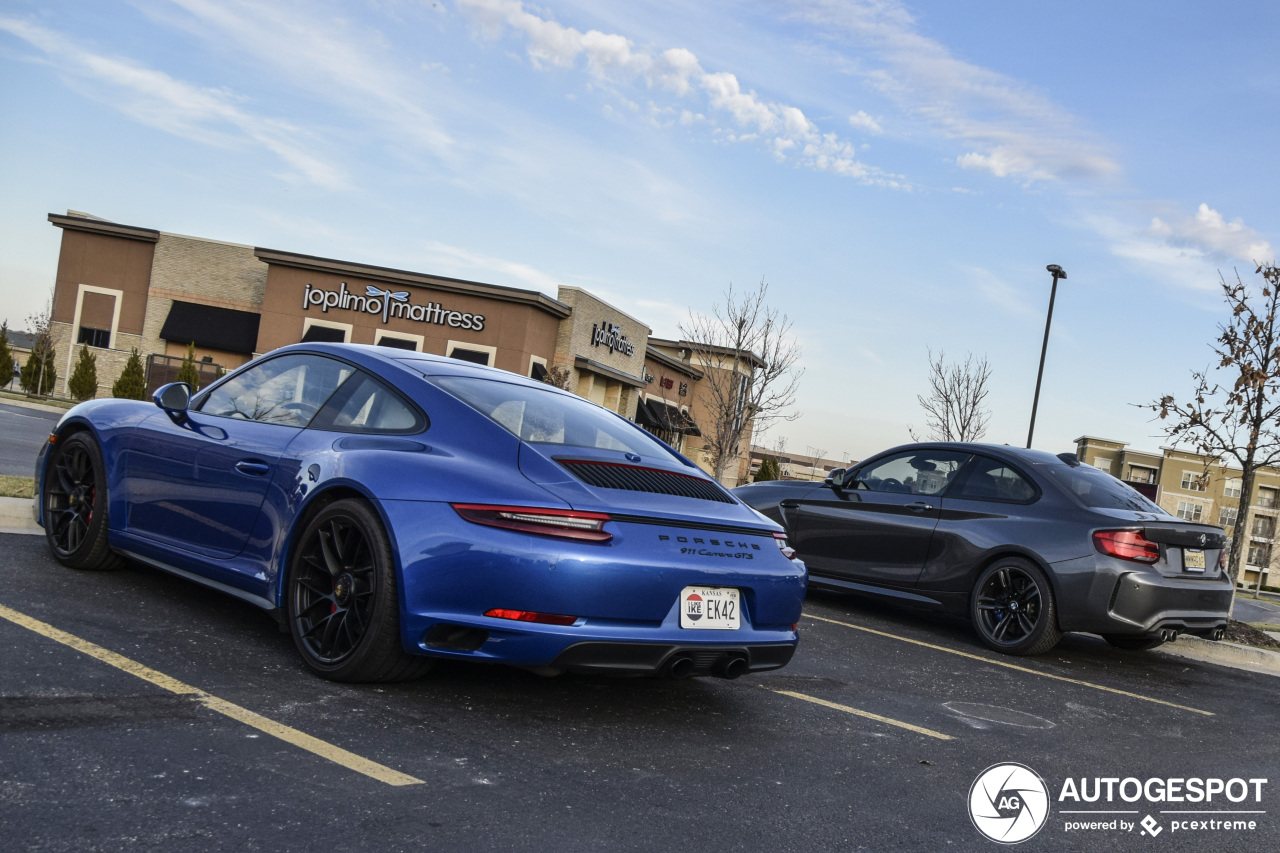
point(599, 333)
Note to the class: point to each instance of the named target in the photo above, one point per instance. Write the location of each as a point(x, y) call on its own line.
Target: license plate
point(1192, 560)
point(713, 607)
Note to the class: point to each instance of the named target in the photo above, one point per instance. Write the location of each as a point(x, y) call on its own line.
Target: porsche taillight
point(787, 550)
point(564, 523)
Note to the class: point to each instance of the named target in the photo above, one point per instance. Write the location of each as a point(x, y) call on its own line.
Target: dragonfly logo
point(1008, 803)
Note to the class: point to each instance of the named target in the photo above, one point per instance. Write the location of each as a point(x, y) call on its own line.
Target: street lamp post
point(1057, 272)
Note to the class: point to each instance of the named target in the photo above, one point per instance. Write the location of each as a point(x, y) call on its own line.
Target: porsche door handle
point(252, 467)
point(920, 506)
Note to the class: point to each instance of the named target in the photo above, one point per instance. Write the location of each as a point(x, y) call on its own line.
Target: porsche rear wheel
point(1013, 608)
point(342, 598)
point(74, 505)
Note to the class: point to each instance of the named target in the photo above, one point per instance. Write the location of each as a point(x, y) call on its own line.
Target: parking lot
point(138, 710)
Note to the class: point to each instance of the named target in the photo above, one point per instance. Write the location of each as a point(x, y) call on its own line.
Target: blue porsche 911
point(391, 508)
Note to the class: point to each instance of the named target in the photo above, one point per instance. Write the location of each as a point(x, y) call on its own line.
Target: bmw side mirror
point(836, 478)
point(174, 398)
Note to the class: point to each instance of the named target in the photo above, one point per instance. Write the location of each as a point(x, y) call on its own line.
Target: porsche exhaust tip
point(680, 668)
point(730, 667)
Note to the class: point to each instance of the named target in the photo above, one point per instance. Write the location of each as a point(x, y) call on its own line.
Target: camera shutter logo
point(1008, 803)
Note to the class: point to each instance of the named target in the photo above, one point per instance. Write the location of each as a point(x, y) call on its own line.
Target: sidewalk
point(23, 403)
point(16, 517)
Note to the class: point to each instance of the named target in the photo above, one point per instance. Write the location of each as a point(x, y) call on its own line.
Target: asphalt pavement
point(23, 431)
point(140, 711)
point(1262, 609)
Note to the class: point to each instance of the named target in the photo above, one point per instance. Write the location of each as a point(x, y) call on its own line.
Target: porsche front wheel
point(342, 598)
point(74, 505)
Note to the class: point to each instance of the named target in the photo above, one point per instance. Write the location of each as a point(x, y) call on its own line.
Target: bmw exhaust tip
point(1216, 634)
point(730, 667)
point(679, 668)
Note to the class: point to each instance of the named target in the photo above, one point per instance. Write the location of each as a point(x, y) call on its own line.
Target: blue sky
point(899, 173)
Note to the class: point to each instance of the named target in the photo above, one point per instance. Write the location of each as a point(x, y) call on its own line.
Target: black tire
point(1013, 608)
point(1133, 644)
point(74, 505)
point(342, 599)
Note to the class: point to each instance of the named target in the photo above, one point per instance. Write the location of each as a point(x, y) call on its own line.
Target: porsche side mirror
point(174, 398)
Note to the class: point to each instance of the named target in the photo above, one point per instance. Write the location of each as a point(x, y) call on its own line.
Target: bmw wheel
point(74, 505)
point(343, 604)
point(1013, 608)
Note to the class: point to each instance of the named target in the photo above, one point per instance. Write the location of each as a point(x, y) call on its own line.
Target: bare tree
point(558, 377)
point(954, 408)
point(1236, 418)
point(749, 358)
point(40, 374)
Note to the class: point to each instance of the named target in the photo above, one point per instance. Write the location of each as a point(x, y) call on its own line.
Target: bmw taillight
point(1127, 545)
point(565, 523)
point(787, 551)
point(531, 616)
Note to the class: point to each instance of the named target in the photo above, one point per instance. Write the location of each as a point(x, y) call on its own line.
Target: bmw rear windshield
point(548, 417)
point(1099, 490)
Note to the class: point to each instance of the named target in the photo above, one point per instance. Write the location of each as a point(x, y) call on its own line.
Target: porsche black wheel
point(343, 601)
point(1133, 644)
point(1013, 608)
point(74, 505)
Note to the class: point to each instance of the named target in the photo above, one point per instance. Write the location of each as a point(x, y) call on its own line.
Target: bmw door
point(879, 526)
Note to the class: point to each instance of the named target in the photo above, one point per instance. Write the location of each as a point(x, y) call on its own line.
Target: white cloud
point(862, 121)
point(1209, 232)
point(210, 116)
point(613, 58)
point(1009, 129)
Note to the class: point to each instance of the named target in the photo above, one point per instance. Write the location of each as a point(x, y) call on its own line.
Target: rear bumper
point(657, 658)
point(624, 595)
point(1107, 596)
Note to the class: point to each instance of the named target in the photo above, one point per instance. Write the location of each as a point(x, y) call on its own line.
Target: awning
point(324, 335)
point(663, 415)
point(211, 327)
point(644, 416)
point(688, 426)
point(583, 363)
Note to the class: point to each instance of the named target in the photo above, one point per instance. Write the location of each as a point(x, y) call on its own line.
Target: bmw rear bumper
point(1102, 595)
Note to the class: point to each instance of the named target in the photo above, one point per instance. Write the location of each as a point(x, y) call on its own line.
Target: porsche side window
point(365, 405)
point(990, 480)
point(288, 390)
point(921, 472)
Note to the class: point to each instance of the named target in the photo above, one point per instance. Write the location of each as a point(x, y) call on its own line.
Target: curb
point(16, 517)
point(1234, 655)
point(57, 410)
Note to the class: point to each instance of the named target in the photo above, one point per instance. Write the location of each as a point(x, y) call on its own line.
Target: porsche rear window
point(547, 417)
point(1093, 488)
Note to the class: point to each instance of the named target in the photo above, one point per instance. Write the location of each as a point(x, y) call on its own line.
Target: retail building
point(120, 287)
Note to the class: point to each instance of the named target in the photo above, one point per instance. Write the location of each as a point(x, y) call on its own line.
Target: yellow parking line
point(278, 730)
point(870, 716)
point(1007, 665)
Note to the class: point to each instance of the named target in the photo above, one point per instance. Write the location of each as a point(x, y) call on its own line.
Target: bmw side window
point(288, 390)
point(990, 480)
point(920, 472)
point(365, 405)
